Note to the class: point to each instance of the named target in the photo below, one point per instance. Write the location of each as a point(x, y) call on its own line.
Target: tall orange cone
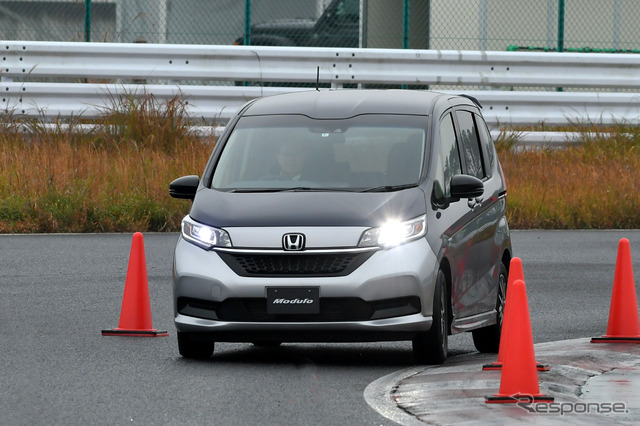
point(135, 316)
point(519, 380)
point(515, 273)
point(623, 326)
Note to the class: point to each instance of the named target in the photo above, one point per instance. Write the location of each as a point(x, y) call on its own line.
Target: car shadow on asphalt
point(334, 354)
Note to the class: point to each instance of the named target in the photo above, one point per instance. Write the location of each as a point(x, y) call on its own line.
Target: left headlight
point(392, 234)
point(204, 236)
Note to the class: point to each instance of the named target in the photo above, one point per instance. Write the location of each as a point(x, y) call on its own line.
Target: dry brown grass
point(593, 184)
point(112, 179)
point(116, 177)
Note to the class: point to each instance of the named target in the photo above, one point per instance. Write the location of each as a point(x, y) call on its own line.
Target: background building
point(437, 24)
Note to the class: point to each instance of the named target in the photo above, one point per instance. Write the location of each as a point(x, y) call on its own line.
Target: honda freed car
point(343, 216)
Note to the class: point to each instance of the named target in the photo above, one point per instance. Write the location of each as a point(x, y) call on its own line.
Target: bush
point(114, 178)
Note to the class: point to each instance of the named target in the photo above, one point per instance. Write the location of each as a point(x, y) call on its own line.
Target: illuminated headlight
point(203, 235)
point(392, 234)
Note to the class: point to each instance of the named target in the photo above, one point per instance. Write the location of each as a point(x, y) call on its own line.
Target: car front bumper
point(394, 287)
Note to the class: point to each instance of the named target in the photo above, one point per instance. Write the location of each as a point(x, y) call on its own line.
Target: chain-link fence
point(582, 25)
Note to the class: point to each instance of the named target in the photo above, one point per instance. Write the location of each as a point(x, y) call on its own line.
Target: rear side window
point(470, 145)
point(487, 143)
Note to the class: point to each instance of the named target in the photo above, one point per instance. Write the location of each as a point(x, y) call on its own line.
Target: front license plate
point(293, 300)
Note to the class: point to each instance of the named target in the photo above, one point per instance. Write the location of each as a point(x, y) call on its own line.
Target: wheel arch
point(445, 266)
point(506, 259)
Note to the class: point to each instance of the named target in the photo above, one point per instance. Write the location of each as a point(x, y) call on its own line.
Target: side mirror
point(465, 186)
point(184, 187)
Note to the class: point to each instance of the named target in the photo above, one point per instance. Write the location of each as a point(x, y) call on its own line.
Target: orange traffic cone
point(515, 273)
point(135, 316)
point(623, 326)
point(519, 380)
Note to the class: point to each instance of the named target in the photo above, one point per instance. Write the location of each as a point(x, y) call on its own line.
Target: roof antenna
point(318, 78)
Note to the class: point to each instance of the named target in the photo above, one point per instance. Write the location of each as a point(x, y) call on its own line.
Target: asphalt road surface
point(57, 292)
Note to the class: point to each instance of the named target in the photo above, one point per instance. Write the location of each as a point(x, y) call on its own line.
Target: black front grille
point(298, 264)
point(331, 309)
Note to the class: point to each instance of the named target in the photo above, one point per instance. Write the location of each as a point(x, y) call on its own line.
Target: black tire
point(487, 339)
point(195, 348)
point(431, 346)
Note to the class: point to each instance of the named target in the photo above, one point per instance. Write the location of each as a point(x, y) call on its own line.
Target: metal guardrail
point(216, 104)
point(101, 73)
point(210, 104)
point(337, 65)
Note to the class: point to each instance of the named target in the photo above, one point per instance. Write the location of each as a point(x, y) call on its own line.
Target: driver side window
point(449, 163)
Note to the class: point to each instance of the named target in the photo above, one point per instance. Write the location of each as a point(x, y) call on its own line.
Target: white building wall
point(436, 24)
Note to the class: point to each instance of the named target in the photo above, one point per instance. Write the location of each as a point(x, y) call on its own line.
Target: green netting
point(545, 25)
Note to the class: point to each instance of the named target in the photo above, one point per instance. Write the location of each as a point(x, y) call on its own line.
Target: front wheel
point(432, 346)
point(487, 339)
point(190, 346)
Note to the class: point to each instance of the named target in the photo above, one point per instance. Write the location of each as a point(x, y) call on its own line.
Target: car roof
point(344, 103)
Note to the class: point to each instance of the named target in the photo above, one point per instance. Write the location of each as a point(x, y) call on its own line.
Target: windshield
point(295, 152)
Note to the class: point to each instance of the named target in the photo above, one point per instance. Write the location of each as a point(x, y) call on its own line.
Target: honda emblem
point(293, 242)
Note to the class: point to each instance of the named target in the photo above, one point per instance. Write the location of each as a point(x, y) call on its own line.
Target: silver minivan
point(345, 216)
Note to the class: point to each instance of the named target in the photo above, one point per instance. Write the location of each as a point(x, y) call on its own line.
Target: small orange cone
point(135, 316)
point(515, 273)
point(519, 380)
point(623, 326)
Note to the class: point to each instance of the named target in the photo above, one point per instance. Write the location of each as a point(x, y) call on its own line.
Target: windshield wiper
point(254, 190)
point(390, 188)
point(291, 189)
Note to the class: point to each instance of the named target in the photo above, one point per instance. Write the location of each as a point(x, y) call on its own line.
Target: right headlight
point(394, 233)
point(204, 236)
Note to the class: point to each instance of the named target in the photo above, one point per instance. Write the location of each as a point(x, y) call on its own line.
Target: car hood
point(226, 209)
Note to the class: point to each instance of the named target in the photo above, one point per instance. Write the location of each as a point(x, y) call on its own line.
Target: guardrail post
point(560, 25)
point(87, 20)
point(560, 31)
point(405, 23)
point(247, 22)
point(406, 6)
